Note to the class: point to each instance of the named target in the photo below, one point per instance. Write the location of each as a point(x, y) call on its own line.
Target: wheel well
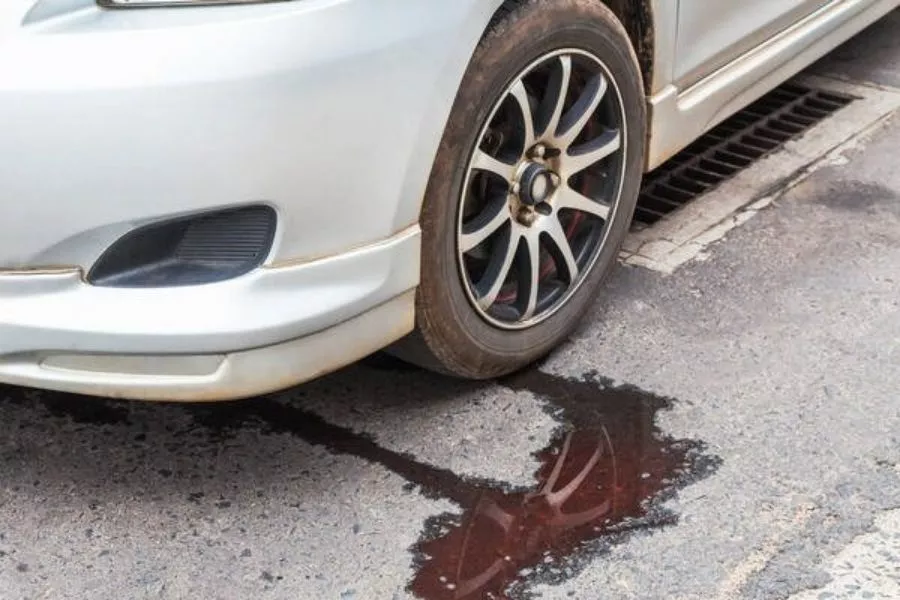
point(637, 18)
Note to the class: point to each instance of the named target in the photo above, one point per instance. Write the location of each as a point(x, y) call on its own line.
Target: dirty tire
point(451, 336)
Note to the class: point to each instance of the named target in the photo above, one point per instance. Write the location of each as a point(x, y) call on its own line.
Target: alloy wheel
point(541, 187)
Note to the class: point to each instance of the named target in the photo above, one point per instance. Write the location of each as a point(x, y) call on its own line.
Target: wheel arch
point(638, 18)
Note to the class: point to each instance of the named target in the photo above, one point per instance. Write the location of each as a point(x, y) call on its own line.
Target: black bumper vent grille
point(751, 134)
point(189, 251)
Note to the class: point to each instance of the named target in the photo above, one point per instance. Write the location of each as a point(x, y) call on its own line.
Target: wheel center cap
point(536, 185)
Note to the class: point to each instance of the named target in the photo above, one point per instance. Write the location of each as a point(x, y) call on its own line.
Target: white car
point(211, 199)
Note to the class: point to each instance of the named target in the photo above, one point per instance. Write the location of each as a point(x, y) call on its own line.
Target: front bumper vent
point(194, 250)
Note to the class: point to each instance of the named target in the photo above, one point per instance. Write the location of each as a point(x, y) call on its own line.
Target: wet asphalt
point(727, 430)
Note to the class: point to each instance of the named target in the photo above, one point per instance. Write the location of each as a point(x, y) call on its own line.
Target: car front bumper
point(330, 111)
point(258, 333)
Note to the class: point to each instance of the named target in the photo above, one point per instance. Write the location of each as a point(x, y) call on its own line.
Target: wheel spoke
point(560, 249)
point(497, 270)
point(575, 120)
point(482, 161)
point(569, 198)
point(480, 228)
point(521, 95)
point(551, 109)
point(592, 152)
point(531, 276)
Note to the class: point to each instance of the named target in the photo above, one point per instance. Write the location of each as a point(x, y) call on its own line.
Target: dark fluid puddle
point(605, 474)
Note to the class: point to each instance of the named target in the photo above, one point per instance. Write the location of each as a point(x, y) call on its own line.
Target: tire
point(457, 332)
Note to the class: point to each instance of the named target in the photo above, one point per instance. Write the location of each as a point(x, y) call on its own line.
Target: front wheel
point(532, 191)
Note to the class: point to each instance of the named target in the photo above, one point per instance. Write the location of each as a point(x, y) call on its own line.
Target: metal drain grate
point(733, 145)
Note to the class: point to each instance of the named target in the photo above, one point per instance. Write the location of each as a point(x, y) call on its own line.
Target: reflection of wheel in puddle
point(506, 533)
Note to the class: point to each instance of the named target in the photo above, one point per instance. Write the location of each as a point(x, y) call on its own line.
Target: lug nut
point(539, 151)
point(516, 188)
point(526, 217)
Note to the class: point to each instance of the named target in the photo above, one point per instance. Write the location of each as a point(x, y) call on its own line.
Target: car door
point(712, 33)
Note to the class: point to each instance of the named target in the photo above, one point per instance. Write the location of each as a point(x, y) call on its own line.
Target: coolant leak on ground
point(605, 474)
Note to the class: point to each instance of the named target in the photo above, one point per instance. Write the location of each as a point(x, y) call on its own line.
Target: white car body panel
point(330, 112)
point(147, 113)
point(712, 34)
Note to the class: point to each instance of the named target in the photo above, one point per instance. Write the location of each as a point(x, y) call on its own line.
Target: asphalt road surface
point(728, 431)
